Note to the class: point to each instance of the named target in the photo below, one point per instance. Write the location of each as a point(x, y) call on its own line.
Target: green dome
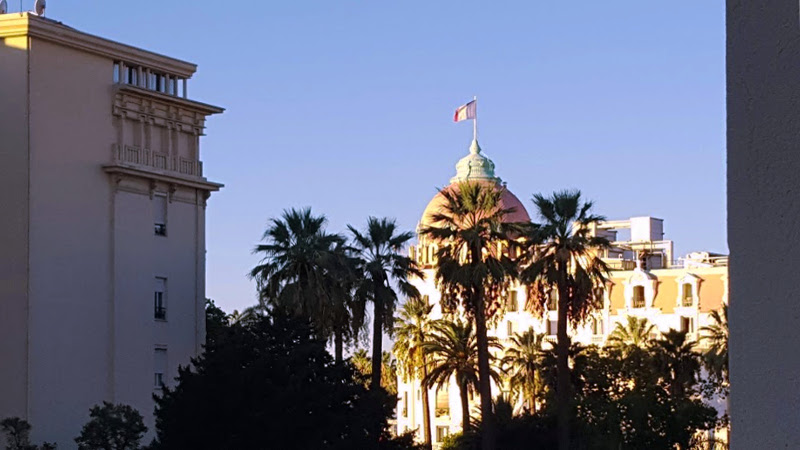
point(475, 166)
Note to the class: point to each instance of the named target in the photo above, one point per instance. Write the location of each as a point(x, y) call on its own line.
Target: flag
point(466, 112)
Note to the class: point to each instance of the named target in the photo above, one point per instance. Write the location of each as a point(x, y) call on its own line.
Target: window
point(160, 299)
point(688, 295)
point(160, 214)
point(510, 328)
point(552, 327)
point(597, 326)
point(441, 433)
point(513, 304)
point(160, 367)
point(443, 401)
point(638, 296)
point(405, 404)
point(687, 325)
point(552, 301)
point(426, 299)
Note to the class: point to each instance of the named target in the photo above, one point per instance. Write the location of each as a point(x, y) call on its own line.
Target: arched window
point(638, 297)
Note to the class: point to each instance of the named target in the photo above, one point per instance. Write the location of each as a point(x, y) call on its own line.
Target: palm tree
point(411, 332)
point(636, 333)
point(716, 334)
point(522, 362)
point(677, 362)
point(561, 253)
point(380, 267)
point(453, 347)
point(472, 270)
point(302, 272)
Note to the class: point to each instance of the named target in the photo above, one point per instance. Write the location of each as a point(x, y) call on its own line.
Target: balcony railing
point(129, 155)
point(160, 313)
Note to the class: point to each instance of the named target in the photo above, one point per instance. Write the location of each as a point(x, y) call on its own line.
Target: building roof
point(477, 167)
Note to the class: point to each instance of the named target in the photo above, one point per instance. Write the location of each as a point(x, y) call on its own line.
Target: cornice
point(191, 105)
point(196, 183)
point(27, 24)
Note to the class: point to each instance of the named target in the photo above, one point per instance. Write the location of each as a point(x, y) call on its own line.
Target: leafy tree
point(363, 366)
point(271, 384)
point(562, 255)
point(523, 362)
point(411, 332)
point(635, 333)
point(112, 427)
point(17, 432)
point(304, 271)
point(472, 270)
point(453, 348)
point(716, 335)
point(381, 267)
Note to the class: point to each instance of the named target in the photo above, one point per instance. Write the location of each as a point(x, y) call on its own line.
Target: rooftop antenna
point(40, 6)
point(3, 7)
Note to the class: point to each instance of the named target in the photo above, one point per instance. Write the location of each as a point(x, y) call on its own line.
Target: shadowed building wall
point(763, 78)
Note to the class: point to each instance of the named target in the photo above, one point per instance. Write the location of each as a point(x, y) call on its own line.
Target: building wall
point(14, 225)
point(763, 104)
point(81, 256)
point(70, 289)
point(665, 313)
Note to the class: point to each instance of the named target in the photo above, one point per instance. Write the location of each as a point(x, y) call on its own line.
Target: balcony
point(159, 161)
point(160, 313)
point(153, 165)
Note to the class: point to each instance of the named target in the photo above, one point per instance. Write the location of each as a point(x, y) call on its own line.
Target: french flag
point(466, 112)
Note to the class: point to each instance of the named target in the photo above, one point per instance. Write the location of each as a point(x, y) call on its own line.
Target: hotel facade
point(102, 275)
point(646, 281)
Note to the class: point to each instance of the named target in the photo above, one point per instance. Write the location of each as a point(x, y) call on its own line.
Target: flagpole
point(475, 120)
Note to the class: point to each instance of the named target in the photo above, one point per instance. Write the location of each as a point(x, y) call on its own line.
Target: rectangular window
point(160, 299)
point(688, 296)
point(443, 401)
point(552, 327)
point(160, 214)
point(441, 433)
point(116, 75)
point(513, 303)
point(687, 325)
point(510, 328)
point(427, 300)
point(638, 296)
point(552, 303)
point(405, 404)
point(160, 367)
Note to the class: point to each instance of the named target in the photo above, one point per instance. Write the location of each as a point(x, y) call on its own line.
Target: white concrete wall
point(763, 72)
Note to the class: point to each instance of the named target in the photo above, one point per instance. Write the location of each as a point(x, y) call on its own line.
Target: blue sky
point(347, 106)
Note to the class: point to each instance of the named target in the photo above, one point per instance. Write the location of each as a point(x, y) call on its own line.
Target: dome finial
point(475, 166)
point(474, 148)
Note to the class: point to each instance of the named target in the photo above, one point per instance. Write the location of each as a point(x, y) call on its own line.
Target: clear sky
point(346, 106)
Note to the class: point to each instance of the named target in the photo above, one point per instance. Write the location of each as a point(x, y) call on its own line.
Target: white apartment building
point(102, 274)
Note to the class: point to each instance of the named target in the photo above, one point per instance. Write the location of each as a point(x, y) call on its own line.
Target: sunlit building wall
point(102, 274)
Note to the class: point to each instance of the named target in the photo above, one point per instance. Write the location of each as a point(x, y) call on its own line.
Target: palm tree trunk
point(426, 408)
point(463, 390)
point(562, 369)
point(338, 346)
point(487, 418)
point(377, 344)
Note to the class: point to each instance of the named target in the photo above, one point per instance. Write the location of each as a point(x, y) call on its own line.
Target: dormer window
point(638, 297)
point(687, 294)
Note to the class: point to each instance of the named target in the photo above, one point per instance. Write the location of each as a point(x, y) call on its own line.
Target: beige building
point(102, 275)
point(645, 281)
